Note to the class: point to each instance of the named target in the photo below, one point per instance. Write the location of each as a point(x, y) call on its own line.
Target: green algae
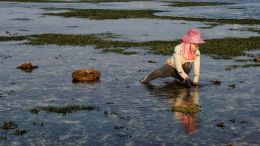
point(194, 4)
point(119, 51)
point(102, 14)
point(231, 67)
point(11, 128)
point(8, 125)
point(63, 110)
point(20, 132)
point(186, 109)
point(209, 25)
point(12, 38)
point(256, 30)
point(225, 48)
point(228, 48)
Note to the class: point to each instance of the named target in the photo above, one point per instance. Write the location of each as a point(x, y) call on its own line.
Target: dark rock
point(86, 75)
point(20, 132)
point(221, 125)
point(119, 127)
point(151, 61)
point(215, 82)
point(257, 59)
point(27, 67)
point(233, 120)
point(232, 86)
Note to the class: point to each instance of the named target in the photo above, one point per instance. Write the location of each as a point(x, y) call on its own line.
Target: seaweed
point(118, 51)
point(187, 109)
point(224, 48)
point(101, 14)
point(63, 110)
point(194, 4)
point(8, 125)
point(12, 38)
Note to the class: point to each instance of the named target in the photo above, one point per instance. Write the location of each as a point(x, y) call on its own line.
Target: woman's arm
point(197, 68)
point(178, 64)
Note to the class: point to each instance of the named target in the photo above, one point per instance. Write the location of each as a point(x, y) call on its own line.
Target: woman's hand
point(195, 84)
point(188, 82)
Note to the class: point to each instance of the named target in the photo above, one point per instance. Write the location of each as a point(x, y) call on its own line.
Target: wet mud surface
point(118, 110)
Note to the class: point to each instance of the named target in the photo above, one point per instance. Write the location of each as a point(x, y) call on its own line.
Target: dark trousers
point(167, 71)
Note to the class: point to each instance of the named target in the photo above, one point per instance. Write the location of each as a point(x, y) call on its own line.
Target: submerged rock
point(151, 61)
point(7, 125)
point(215, 82)
point(257, 59)
point(221, 125)
point(86, 75)
point(232, 86)
point(20, 132)
point(27, 67)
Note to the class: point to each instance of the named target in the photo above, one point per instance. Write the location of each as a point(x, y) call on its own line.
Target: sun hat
point(193, 37)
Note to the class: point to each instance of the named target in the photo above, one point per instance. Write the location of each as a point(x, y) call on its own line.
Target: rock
point(257, 59)
point(215, 82)
point(151, 61)
point(232, 86)
point(221, 125)
point(27, 67)
point(86, 75)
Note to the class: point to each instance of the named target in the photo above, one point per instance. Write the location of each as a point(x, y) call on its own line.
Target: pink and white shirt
point(177, 60)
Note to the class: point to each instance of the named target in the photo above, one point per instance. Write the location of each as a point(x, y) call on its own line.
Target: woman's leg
point(186, 67)
point(164, 71)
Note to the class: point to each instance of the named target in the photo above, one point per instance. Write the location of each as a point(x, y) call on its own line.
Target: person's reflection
point(184, 101)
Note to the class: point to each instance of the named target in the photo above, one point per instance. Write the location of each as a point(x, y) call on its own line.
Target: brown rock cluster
point(257, 59)
point(27, 67)
point(86, 75)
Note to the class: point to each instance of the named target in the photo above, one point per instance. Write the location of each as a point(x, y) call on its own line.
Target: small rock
point(221, 125)
point(27, 67)
point(233, 120)
point(151, 61)
point(232, 86)
point(86, 75)
point(215, 82)
point(257, 59)
point(119, 127)
point(243, 122)
point(110, 102)
point(92, 59)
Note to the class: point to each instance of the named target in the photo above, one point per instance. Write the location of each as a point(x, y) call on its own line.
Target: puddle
point(130, 113)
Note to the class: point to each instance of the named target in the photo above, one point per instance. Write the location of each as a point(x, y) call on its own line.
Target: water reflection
point(184, 102)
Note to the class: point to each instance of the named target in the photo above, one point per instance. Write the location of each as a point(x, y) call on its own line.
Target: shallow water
point(151, 121)
point(27, 18)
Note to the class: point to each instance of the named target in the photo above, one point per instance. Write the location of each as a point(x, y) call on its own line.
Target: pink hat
point(193, 37)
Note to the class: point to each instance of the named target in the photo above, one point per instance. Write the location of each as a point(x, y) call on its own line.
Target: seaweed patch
point(63, 110)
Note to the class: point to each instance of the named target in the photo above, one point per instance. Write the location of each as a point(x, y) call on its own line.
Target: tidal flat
point(45, 106)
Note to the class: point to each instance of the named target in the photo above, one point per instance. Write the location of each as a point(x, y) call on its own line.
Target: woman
point(179, 65)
